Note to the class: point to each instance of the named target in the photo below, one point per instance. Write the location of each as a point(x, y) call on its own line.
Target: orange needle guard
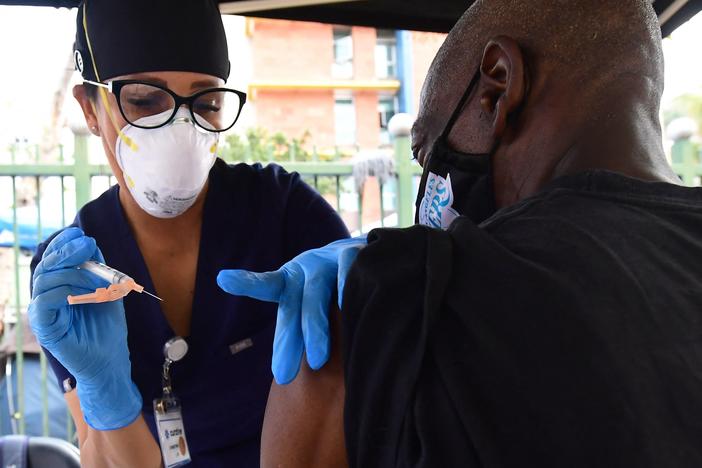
point(111, 293)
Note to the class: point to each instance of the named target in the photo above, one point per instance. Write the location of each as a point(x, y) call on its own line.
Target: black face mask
point(453, 183)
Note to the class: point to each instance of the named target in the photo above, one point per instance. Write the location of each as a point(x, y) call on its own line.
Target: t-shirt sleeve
point(389, 304)
point(310, 221)
point(439, 328)
point(59, 371)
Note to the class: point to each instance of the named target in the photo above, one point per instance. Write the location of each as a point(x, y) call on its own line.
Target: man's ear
point(88, 107)
point(503, 81)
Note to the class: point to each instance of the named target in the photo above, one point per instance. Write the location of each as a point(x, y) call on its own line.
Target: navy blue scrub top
point(255, 218)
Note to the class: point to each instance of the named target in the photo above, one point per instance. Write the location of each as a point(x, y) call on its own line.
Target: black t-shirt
point(565, 331)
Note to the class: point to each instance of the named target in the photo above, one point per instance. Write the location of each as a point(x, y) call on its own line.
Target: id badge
point(171, 432)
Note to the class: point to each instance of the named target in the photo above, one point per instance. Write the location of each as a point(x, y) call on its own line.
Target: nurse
point(154, 92)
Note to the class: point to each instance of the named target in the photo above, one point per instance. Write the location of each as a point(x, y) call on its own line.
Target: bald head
point(586, 42)
point(599, 57)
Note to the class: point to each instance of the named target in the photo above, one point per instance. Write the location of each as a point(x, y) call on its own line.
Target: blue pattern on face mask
point(439, 198)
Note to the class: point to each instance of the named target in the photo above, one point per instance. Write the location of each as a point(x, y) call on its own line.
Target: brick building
point(341, 84)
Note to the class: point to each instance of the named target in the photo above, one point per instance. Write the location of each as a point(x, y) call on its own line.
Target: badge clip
point(168, 412)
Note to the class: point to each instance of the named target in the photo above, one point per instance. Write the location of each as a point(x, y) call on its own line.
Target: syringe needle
point(152, 295)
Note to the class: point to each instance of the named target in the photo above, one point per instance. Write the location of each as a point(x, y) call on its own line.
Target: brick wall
point(363, 53)
point(367, 127)
point(291, 50)
point(288, 50)
point(294, 112)
point(424, 48)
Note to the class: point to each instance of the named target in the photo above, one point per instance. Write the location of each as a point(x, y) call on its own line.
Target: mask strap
point(103, 94)
point(459, 108)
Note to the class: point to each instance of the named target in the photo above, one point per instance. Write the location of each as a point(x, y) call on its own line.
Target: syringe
point(120, 285)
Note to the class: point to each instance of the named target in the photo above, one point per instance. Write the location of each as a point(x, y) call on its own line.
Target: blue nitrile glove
point(303, 289)
point(90, 340)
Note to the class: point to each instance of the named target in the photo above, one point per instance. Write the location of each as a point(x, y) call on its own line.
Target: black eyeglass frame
point(115, 87)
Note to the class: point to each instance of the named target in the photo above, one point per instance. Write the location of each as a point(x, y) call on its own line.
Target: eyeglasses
point(213, 109)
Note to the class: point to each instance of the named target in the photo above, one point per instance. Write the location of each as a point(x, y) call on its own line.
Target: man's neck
point(625, 142)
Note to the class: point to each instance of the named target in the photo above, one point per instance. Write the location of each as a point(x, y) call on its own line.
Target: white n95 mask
point(166, 168)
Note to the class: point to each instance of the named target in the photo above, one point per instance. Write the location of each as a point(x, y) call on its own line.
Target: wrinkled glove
point(303, 289)
point(89, 340)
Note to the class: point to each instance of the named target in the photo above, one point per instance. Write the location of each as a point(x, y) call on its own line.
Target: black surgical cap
point(136, 36)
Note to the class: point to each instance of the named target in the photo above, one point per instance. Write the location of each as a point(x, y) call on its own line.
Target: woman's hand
point(89, 340)
point(303, 289)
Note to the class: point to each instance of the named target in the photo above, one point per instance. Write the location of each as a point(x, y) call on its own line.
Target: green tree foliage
point(258, 145)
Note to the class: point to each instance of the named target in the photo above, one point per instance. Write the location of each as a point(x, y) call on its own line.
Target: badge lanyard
point(167, 410)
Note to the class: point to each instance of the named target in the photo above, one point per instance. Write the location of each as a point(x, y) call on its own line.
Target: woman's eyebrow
point(150, 79)
point(204, 84)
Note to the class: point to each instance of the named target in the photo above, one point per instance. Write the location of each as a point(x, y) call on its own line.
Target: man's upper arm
point(303, 425)
point(382, 327)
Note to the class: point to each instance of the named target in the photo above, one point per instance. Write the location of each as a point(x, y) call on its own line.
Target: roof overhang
point(422, 15)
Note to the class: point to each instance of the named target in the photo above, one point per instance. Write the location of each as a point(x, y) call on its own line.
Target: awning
point(422, 15)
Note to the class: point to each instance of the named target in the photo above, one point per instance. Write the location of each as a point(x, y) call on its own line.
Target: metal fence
point(63, 176)
point(75, 180)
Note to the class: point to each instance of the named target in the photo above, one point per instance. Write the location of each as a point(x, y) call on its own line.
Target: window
point(386, 54)
point(343, 53)
point(345, 121)
point(387, 107)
